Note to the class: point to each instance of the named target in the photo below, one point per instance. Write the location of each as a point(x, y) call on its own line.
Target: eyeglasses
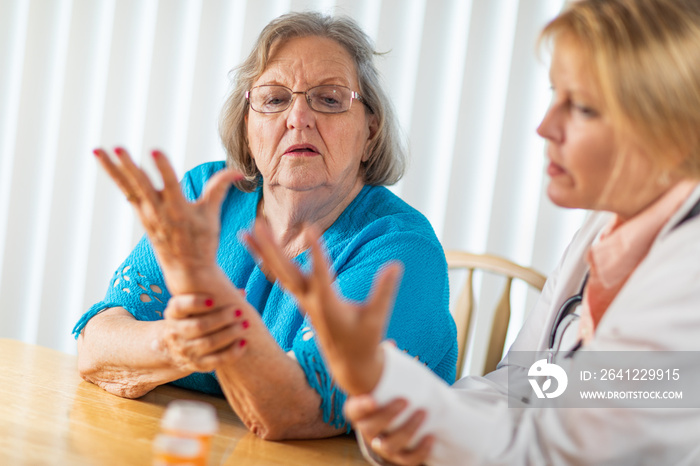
point(322, 99)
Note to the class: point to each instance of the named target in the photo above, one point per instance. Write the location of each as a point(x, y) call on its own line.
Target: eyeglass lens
point(324, 99)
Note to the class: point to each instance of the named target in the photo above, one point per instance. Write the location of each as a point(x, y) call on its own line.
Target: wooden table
point(49, 415)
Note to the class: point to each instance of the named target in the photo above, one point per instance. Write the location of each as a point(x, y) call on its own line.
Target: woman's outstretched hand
point(185, 235)
point(349, 333)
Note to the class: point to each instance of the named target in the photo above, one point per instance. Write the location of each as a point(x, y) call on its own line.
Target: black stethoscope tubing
point(570, 304)
point(566, 309)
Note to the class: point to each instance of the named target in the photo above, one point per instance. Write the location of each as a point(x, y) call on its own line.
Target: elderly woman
point(312, 138)
point(623, 134)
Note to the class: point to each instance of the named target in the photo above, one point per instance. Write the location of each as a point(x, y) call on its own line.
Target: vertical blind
point(77, 74)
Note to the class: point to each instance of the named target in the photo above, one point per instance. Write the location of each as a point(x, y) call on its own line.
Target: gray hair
point(387, 155)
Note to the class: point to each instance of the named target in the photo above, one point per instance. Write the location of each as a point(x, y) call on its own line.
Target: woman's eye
point(274, 100)
point(581, 109)
point(329, 100)
point(584, 110)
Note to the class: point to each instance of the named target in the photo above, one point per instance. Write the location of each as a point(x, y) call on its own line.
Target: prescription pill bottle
point(169, 450)
point(186, 431)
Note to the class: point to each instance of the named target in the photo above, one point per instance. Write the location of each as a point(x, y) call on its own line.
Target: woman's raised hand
point(185, 235)
point(349, 333)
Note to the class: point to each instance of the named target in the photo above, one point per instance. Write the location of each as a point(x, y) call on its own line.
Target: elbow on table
point(121, 388)
point(276, 428)
point(86, 363)
point(117, 382)
point(268, 429)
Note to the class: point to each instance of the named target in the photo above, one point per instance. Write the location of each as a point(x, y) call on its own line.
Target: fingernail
point(209, 302)
point(238, 313)
point(119, 151)
point(155, 154)
point(242, 343)
point(96, 152)
point(245, 324)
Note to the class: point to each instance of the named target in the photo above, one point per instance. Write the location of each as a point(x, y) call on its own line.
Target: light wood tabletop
point(49, 415)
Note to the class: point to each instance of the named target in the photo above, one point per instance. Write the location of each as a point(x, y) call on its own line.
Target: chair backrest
point(462, 311)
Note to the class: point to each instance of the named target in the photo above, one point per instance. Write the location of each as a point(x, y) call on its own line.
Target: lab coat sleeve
point(473, 423)
point(445, 410)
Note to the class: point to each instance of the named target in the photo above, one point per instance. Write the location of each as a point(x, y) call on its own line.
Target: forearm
point(465, 432)
point(124, 356)
point(266, 387)
point(268, 390)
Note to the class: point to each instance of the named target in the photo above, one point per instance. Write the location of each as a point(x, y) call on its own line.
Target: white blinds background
point(147, 74)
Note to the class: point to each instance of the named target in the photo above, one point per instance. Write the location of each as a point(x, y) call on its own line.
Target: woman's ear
point(247, 140)
point(373, 129)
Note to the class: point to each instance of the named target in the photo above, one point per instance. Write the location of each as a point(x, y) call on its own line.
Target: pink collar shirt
point(622, 245)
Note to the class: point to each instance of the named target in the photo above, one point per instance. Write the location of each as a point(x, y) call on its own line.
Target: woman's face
point(584, 147)
point(300, 149)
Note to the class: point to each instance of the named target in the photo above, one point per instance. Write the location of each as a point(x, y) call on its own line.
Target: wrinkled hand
point(375, 424)
point(185, 235)
point(200, 336)
point(349, 333)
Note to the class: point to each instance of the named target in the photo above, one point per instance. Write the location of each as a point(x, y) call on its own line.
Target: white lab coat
point(657, 309)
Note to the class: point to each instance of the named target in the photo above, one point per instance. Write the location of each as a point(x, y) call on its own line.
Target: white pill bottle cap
point(190, 417)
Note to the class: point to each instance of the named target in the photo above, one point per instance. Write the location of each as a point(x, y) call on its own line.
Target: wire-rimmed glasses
point(328, 98)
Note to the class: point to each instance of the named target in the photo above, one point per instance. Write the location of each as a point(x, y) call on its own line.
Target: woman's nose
point(549, 127)
point(300, 114)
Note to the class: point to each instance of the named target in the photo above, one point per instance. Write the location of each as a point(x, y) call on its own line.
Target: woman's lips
point(301, 154)
point(554, 170)
point(301, 150)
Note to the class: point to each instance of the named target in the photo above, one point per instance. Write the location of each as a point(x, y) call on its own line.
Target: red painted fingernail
point(238, 313)
point(155, 154)
point(245, 324)
point(96, 152)
point(242, 343)
point(119, 151)
point(209, 302)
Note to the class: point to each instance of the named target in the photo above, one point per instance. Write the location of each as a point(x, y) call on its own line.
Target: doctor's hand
point(185, 235)
point(201, 335)
point(349, 333)
point(376, 426)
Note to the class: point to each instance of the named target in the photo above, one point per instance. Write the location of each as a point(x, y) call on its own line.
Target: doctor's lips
point(554, 169)
point(302, 150)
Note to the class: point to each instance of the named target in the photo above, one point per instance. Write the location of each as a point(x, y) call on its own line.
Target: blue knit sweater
point(375, 228)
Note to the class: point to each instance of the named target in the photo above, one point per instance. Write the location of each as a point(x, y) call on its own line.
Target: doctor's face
point(592, 165)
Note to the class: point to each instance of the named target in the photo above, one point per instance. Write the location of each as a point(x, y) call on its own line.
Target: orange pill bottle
point(187, 428)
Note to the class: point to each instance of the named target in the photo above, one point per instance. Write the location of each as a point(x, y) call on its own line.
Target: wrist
point(194, 279)
point(360, 376)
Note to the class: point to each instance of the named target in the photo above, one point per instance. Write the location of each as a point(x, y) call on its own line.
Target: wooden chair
point(465, 302)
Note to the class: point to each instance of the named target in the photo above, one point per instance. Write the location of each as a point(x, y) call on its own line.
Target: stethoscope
point(565, 316)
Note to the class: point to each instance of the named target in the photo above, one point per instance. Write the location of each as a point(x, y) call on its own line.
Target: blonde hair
point(386, 162)
point(645, 55)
